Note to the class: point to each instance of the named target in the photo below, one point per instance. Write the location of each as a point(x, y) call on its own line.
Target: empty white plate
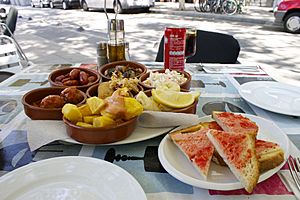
point(72, 177)
point(272, 96)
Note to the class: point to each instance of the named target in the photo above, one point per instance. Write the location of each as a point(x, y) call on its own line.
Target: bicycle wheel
point(197, 5)
point(229, 7)
point(205, 7)
point(201, 5)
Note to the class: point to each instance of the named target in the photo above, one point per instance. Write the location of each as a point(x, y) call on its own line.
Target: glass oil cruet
point(116, 38)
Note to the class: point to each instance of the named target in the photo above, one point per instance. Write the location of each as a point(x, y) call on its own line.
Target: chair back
point(212, 47)
point(9, 57)
point(11, 21)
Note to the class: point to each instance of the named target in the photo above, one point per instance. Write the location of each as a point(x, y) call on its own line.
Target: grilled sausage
point(59, 78)
point(83, 78)
point(74, 74)
point(71, 83)
point(92, 78)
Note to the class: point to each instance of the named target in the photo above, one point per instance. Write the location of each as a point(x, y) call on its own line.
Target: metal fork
point(294, 167)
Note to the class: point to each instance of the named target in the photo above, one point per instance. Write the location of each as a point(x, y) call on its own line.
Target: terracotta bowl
point(186, 85)
point(132, 64)
point(191, 109)
point(93, 90)
point(100, 135)
point(38, 113)
point(56, 73)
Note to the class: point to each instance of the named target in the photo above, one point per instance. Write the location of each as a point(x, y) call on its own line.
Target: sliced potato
point(89, 119)
point(133, 108)
point(72, 113)
point(85, 110)
point(95, 104)
point(83, 124)
point(103, 121)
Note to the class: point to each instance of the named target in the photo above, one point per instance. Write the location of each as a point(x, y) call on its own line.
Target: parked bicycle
point(229, 7)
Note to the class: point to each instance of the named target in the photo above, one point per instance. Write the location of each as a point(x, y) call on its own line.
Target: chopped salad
point(155, 79)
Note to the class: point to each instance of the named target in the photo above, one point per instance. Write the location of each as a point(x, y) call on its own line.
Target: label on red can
point(174, 48)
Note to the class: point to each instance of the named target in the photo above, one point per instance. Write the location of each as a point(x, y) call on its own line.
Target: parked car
point(64, 4)
point(288, 14)
point(41, 3)
point(4, 1)
point(119, 6)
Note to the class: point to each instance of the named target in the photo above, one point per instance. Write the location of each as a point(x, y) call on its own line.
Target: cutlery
point(231, 67)
point(294, 167)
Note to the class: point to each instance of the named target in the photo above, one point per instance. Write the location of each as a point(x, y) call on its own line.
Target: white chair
point(24, 60)
point(9, 57)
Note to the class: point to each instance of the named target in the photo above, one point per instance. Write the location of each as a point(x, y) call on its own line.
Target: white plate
point(70, 177)
point(138, 135)
point(273, 96)
point(219, 178)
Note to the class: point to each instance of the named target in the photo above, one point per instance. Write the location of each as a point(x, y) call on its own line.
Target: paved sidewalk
point(251, 14)
point(70, 36)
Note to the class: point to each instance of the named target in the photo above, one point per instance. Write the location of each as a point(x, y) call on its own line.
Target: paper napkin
point(41, 132)
point(166, 119)
point(150, 124)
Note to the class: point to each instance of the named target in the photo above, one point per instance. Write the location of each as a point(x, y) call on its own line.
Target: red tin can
point(174, 48)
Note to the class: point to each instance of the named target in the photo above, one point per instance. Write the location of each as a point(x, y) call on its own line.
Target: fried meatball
point(72, 95)
point(52, 101)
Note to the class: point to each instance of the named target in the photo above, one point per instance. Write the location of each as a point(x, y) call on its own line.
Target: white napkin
point(166, 119)
point(232, 68)
point(42, 132)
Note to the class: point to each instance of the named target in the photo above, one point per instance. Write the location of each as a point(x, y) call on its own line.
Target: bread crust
point(196, 147)
point(246, 172)
point(268, 159)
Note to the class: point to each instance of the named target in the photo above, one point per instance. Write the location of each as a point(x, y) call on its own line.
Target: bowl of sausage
point(47, 103)
point(82, 78)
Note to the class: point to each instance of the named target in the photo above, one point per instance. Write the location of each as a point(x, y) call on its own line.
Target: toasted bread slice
point(211, 125)
point(216, 157)
point(237, 123)
point(189, 129)
point(238, 152)
point(269, 155)
point(196, 147)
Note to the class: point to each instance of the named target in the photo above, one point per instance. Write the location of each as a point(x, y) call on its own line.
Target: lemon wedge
point(173, 99)
point(195, 94)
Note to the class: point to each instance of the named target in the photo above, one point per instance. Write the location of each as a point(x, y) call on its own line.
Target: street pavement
point(70, 36)
point(250, 14)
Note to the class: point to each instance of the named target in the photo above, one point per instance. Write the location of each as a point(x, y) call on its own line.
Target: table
point(140, 159)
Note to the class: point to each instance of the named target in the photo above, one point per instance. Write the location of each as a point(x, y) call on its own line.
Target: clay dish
point(37, 113)
point(100, 135)
point(52, 76)
point(131, 64)
point(186, 85)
